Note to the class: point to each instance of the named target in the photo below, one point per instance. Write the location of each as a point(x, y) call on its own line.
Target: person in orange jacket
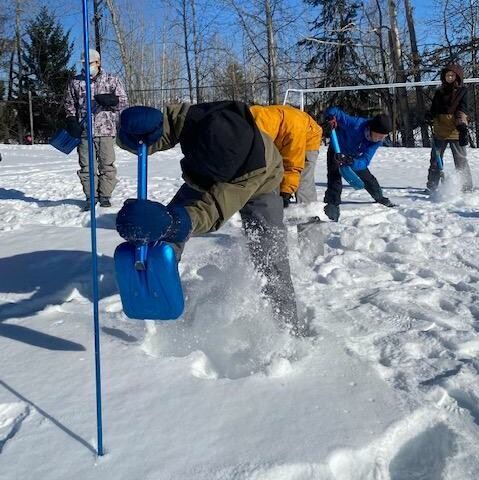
point(297, 137)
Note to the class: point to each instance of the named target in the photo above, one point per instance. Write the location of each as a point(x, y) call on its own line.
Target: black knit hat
point(220, 141)
point(381, 124)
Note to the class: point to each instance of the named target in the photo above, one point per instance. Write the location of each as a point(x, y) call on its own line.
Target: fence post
point(30, 107)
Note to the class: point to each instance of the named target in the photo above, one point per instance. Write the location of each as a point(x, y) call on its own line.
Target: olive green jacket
point(220, 202)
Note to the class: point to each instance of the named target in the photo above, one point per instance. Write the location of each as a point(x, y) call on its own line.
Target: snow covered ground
point(388, 389)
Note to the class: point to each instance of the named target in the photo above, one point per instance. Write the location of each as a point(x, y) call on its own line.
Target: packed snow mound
point(388, 388)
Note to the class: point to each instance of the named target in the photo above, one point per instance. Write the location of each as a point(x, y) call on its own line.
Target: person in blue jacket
point(358, 138)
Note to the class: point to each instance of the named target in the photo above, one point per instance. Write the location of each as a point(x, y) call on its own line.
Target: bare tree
point(401, 77)
point(260, 17)
point(416, 66)
point(121, 41)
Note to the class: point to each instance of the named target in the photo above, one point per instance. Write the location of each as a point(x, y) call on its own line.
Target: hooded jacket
point(450, 105)
point(294, 132)
point(226, 158)
point(104, 118)
point(352, 138)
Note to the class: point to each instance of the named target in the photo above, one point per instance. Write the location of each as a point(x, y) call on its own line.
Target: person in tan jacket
point(297, 137)
point(229, 166)
point(448, 115)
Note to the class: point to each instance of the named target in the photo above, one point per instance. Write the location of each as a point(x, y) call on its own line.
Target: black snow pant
point(263, 225)
point(459, 153)
point(335, 182)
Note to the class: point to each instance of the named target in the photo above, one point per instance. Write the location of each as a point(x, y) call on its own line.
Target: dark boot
point(86, 205)
point(105, 202)
point(332, 211)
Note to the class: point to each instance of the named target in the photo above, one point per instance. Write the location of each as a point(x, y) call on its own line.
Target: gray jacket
point(105, 118)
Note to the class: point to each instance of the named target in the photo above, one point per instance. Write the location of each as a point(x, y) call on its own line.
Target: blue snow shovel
point(147, 275)
point(346, 172)
point(65, 142)
point(437, 156)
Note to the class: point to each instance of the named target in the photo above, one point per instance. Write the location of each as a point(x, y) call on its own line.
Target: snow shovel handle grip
point(141, 252)
point(334, 141)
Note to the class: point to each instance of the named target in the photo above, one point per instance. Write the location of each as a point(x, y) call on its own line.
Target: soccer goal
point(394, 98)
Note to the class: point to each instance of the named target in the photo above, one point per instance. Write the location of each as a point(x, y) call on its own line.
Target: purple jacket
point(105, 118)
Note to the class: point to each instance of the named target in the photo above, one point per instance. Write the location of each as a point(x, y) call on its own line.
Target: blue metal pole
point(91, 164)
point(141, 252)
point(142, 171)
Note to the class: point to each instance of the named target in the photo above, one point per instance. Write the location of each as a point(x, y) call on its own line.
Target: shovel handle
point(334, 141)
point(437, 155)
point(142, 251)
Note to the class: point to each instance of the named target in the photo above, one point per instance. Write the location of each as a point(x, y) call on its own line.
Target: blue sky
point(70, 14)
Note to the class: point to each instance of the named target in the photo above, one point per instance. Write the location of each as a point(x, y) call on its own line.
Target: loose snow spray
point(226, 330)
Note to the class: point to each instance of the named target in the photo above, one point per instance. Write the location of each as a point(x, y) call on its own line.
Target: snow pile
point(387, 390)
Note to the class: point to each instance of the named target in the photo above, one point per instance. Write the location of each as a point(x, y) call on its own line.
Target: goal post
point(304, 97)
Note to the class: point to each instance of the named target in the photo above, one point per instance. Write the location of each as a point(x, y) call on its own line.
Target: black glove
point(73, 127)
point(107, 99)
point(386, 202)
point(428, 118)
point(328, 125)
point(463, 134)
point(332, 212)
point(332, 122)
point(343, 160)
point(286, 199)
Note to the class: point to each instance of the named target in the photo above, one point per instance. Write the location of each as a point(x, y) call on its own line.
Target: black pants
point(263, 225)
point(459, 154)
point(335, 182)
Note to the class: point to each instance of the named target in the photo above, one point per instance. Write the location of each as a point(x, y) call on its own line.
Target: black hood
point(220, 142)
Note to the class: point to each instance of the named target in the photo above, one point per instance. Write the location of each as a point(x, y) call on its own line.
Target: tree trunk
point(272, 57)
point(416, 61)
point(406, 131)
point(474, 72)
point(186, 47)
point(96, 24)
point(18, 48)
point(389, 98)
point(120, 38)
point(196, 50)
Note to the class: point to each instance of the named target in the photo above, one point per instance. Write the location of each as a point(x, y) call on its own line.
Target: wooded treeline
point(249, 50)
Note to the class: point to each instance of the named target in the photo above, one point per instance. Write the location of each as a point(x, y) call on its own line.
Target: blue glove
point(144, 221)
point(140, 124)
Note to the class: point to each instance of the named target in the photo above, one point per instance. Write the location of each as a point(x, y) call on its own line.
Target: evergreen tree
point(46, 54)
point(334, 49)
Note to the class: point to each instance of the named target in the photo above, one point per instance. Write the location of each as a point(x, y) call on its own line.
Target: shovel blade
point(154, 293)
point(351, 177)
point(64, 142)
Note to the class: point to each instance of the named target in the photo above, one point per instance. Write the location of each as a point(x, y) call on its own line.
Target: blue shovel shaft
point(437, 155)
point(334, 141)
point(142, 251)
point(346, 172)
